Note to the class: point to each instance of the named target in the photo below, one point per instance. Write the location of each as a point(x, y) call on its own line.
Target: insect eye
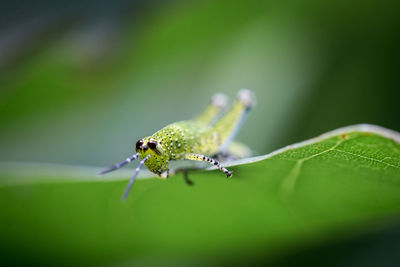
point(139, 144)
point(152, 144)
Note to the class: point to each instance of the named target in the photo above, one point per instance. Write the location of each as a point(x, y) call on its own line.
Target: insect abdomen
point(198, 137)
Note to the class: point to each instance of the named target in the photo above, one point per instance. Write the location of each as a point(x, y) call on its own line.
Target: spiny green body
point(198, 139)
point(177, 140)
point(202, 136)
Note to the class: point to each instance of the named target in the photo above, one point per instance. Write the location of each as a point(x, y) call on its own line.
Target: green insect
point(200, 139)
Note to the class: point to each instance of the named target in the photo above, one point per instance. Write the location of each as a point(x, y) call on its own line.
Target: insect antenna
point(119, 165)
point(128, 188)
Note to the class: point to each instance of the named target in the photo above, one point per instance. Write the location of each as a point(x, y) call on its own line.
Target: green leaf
point(339, 183)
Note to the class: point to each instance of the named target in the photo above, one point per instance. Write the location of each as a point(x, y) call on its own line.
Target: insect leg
point(229, 125)
point(210, 114)
point(234, 151)
point(119, 165)
point(128, 188)
point(185, 172)
point(215, 162)
point(186, 178)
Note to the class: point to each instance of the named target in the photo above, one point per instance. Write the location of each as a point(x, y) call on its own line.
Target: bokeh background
point(81, 81)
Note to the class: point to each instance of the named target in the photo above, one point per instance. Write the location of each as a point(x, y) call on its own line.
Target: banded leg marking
point(199, 157)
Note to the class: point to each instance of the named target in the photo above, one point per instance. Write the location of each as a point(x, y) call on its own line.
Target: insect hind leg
point(229, 125)
point(213, 110)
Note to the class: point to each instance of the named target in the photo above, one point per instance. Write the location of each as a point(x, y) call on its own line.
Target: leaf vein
point(369, 158)
point(289, 182)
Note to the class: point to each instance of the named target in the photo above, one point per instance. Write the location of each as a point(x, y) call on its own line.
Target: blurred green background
point(81, 81)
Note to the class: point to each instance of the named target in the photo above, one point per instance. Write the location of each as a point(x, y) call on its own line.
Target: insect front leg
point(199, 157)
